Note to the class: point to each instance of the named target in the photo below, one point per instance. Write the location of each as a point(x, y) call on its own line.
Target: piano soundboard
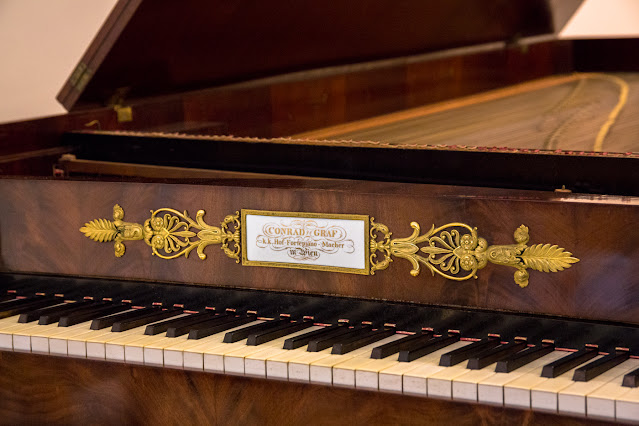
point(537, 362)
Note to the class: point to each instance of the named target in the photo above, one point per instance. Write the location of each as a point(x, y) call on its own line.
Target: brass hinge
point(124, 113)
point(80, 76)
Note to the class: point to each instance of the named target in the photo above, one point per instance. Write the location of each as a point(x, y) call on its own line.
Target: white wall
point(603, 19)
point(41, 41)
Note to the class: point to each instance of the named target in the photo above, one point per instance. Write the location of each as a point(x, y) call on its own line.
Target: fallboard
point(538, 252)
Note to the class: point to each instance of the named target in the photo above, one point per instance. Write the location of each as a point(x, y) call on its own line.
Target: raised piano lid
point(156, 47)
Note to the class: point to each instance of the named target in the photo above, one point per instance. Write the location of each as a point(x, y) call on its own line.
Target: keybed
point(370, 355)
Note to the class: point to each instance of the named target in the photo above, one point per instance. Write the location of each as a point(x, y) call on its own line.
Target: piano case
point(199, 135)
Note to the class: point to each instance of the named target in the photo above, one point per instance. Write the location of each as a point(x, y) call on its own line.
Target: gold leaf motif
point(456, 252)
point(100, 230)
point(547, 258)
point(169, 233)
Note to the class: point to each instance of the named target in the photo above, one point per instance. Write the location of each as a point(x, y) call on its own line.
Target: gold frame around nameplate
point(364, 218)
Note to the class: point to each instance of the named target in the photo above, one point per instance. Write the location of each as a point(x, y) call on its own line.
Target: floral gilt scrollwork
point(169, 233)
point(456, 252)
point(103, 230)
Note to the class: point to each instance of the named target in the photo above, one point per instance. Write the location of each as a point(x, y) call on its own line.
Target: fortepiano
point(291, 273)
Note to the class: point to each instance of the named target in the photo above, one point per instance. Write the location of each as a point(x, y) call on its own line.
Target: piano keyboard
point(451, 354)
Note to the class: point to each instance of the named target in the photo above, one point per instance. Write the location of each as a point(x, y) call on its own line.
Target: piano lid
point(158, 47)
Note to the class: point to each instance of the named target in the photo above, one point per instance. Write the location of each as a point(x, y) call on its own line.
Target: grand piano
point(285, 213)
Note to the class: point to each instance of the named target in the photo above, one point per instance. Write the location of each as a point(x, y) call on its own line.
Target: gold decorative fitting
point(123, 113)
point(169, 233)
point(455, 255)
point(453, 251)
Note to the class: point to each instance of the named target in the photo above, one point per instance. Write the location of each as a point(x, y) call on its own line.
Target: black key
point(485, 358)
point(20, 306)
point(35, 314)
point(162, 326)
point(327, 341)
point(7, 297)
point(144, 320)
point(631, 380)
point(244, 332)
point(421, 349)
point(391, 348)
point(277, 332)
point(462, 354)
point(559, 367)
point(108, 321)
point(29, 305)
point(303, 339)
point(522, 358)
point(184, 328)
point(54, 316)
point(24, 301)
point(232, 322)
point(595, 368)
point(357, 342)
point(78, 317)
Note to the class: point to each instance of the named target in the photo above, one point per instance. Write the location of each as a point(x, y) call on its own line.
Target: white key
point(117, 351)
point(321, 371)
point(627, 405)
point(391, 379)
point(601, 402)
point(491, 390)
point(92, 344)
point(299, 369)
point(367, 374)
point(39, 336)
point(234, 362)
point(22, 337)
point(465, 386)
point(154, 350)
point(277, 366)
point(174, 354)
point(544, 395)
point(517, 392)
point(193, 356)
point(213, 354)
point(134, 348)
point(349, 373)
point(9, 321)
point(255, 363)
point(572, 399)
point(77, 345)
point(8, 327)
point(96, 344)
point(440, 382)
point(58, 342)
point(417, 381)
point(6, 338)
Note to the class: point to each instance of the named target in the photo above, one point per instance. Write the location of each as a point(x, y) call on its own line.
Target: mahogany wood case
point(40, 233)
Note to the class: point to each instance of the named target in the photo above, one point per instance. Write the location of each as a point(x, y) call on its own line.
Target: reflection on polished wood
point(39, 209)
point(36, 389)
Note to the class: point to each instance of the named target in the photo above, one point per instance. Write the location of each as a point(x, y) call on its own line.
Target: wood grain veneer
point(36, 389)
point(153, 48)
point(39, 222)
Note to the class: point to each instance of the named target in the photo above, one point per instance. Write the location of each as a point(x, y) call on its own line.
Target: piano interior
point(363, 212)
